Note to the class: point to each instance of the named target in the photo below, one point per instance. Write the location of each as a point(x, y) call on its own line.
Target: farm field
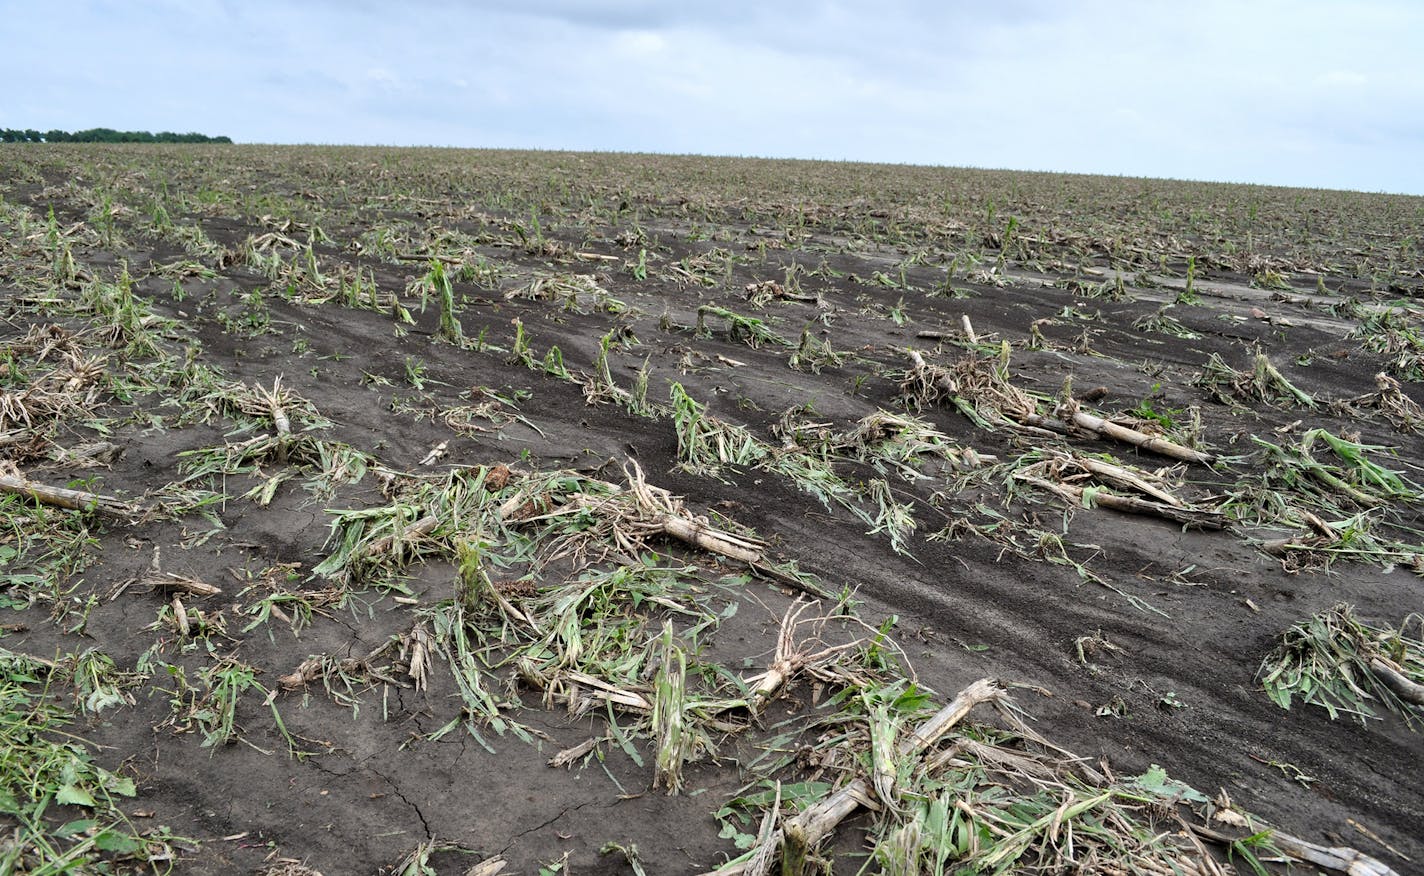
point(437, 511)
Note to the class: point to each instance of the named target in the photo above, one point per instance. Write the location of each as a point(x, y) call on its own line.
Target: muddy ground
point(1191, 613)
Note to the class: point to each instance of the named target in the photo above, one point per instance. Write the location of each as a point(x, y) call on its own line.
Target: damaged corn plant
point(1264, 383)
point(275, 459)
point(425, 517)
point(557, 590)
point(234, 321)
point(66, 811)
point(1339, 663)
point(945, 795)
point(707, 443)
point(1343, 502)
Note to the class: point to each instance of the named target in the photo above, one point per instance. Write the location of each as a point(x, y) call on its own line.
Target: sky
point(1281, 92)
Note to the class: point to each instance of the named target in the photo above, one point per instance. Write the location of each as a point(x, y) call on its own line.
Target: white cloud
point(640, 43)
point(1343, 78)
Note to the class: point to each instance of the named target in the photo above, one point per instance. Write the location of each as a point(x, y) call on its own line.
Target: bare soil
point(1180, 690)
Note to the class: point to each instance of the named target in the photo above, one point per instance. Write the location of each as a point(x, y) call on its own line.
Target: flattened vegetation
point(427, 511)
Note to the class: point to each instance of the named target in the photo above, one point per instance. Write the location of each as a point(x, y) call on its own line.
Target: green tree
point(104, 135)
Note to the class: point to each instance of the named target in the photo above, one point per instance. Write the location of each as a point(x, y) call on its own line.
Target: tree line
point(103, 135)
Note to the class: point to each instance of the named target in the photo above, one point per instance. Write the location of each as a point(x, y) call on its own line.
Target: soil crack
point(415, 807)
point(538, 827)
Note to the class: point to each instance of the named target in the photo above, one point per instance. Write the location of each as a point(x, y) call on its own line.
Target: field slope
point(377, 510)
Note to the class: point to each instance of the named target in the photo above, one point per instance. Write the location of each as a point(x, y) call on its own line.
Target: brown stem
point(808, 828)
point(171, 583)
point(709, 539)
point(61, 497)
point(1341, 858)
point(180, 615)
point(423, 526)
point(1140, 440)
point(1396, 681)
point(1191, 517)
point(1125, 477)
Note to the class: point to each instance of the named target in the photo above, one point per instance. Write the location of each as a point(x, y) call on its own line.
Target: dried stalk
point(416, 649)
point(980, 393)
point(716, 541)
point(782, 662)
point(488, 867)
point(1015, 407)
point(599, 688)
point(1198, 518)
point(768, 841)
point(423, 526)
point(655, 511)
point(1190, 517)
point(435, 453)
point(1323, 534)
point(172, 583)
point(89, 455)
point(1124, 477)
point(569, 755)
point(61, 497)
point(180, 615)
point(169, 582)
point(805, 831)
point(273, 398)
point(668, 515)
point(1392, 678)
point(787, 660)
point(1390, 400)
point(1070, 412)
point(313, 668)
point(1342, 858)
point(511, 506)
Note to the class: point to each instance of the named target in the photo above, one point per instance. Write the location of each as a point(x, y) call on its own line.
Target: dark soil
point(1181, 691)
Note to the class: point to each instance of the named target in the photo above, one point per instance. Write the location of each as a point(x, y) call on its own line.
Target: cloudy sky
point(1291, 92)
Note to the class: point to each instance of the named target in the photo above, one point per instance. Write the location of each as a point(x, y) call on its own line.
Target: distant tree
point(104, 135)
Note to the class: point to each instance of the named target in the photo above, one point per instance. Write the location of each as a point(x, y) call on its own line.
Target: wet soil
point(1181, 691)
